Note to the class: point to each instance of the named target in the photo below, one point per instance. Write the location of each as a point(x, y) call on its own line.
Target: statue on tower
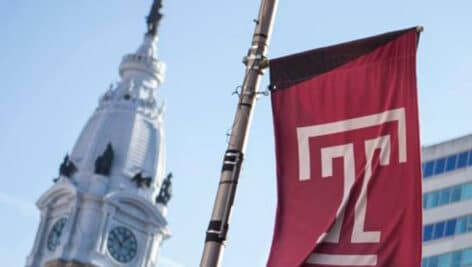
point(67, 168)
point(140, 180)
point(154, 17)
point(165, 193)
point(104, 161)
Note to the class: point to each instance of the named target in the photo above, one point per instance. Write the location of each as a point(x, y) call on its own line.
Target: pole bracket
point(216, 232)
point(231, 159)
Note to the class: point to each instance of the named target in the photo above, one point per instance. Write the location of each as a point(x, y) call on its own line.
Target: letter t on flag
point(348, 155)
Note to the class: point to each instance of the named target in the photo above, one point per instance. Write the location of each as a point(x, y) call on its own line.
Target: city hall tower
point(107, 207)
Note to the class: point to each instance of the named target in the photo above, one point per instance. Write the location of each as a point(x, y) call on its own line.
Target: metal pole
point(255, 62)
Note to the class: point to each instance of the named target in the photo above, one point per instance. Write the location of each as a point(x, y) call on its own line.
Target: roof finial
point(154, 18)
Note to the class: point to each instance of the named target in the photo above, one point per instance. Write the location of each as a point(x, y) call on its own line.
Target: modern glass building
point(447, 203)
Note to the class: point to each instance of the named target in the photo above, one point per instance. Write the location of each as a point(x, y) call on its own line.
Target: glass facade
point(447, 196)
point(447, 228)
point(460, 258)
point(447, 164)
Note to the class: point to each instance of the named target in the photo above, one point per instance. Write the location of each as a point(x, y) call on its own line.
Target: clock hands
point(120, 241)
point(117, 237)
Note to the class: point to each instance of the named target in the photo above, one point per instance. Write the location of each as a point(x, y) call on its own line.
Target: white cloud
point(24, 207)
point(166, 262)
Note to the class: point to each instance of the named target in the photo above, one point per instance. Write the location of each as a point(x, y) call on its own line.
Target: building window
point(444, 260)
point(431, 200)
point(439, 166)
point(461, 226)
point(448, 195)
point(451, 163)
point(462, 161)
point(428, 169)
point(442, 229)
point(470, 158)
point(447, 164)
point(456, 194)
point(467, 191)
point(438, 230)
point(427, 232)
point(458, 258)
point(444, 197)
point(450, 227)
point(466, 257)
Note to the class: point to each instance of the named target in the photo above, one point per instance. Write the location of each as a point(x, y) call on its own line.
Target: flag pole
point(255, 62)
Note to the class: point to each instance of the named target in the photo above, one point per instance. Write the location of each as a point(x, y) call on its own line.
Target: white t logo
point(346, 151)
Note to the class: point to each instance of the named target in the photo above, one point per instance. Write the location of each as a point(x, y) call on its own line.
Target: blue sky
point(58, 57)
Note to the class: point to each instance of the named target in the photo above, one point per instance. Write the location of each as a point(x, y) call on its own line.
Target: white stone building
point(447, 203)
point(107, 207)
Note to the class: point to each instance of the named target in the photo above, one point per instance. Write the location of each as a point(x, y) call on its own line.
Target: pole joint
point(216, 232)
point(257, 62)
point(232, 158)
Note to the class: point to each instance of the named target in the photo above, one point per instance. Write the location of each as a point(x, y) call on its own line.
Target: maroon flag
point(348, 155)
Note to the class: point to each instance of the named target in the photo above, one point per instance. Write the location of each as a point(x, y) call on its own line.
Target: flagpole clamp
point(231, 159)
point(256, 62)
point(216, 232)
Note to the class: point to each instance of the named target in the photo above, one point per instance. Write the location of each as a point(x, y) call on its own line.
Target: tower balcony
point(136, 64)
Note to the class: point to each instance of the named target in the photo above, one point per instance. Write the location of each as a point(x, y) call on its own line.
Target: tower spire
point(154, 18)
point(144, 60)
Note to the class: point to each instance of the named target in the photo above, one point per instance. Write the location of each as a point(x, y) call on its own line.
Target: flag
point(348, 155)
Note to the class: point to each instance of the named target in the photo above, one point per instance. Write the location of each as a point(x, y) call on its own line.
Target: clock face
point(54, 237)
point(122, 244)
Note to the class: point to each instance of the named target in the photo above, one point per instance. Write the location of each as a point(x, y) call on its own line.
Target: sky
point(58, 57)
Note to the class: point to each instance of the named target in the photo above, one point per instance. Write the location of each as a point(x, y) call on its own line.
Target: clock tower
point(107, 207)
